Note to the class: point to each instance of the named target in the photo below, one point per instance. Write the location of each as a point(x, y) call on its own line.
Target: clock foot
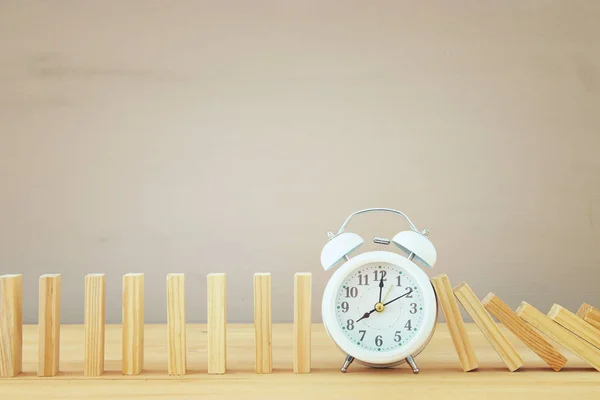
point(411, 361)
point(347, 363)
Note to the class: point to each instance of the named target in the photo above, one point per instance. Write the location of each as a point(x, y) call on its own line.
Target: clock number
point(397, 337)
point(409, 293)
point(345, 306)
point(382, 274)
point(363, 335)
point(361, 278)
point(398, 278)
point(413, 308)
point(351, 291)
point(408, 325)
point(350, 324)
point(378, 340)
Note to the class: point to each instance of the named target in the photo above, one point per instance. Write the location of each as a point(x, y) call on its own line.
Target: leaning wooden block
point(132, 361)
point(11, 325)
point(590, 314)
point(262, 323)
point(575, 324)
point(523, 331)
point(176, 324)
point(560, 335)
point(302, 323)
point(94, 322)
point(486, 324)
point(455, 323)
point(49, 325)
point(217, 323)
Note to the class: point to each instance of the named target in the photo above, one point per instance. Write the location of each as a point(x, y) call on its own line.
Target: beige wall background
point(230, 136)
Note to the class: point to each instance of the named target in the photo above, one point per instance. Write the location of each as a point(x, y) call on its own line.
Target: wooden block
point(575, 324)
point(455, 323)
point(49, 325)
point(486, 324)
point(590, 314)
point(262, 323)
point(560, 335)
point(11, 325)
point(524, 332)
point(302, 322)
point(93, 321)
point(217, 323)
point(132, 361)
point(176, 324)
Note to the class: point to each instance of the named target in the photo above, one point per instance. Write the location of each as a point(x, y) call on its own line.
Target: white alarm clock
point(379, 307)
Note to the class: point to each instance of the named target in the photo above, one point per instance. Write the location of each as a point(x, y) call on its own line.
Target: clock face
point(380, 307)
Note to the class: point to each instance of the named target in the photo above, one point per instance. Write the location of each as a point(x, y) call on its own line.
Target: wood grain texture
point(49, 325)
point(132, 355)
point(573, 323)
point(217, 323)
point(302, 322)
point(590, 314)
point(94, 324)
point(262, 323)
point(11, 325)
point(524, 332)
point(454, 321)
point(176, 324)
point(482, 319)
point(560, 335)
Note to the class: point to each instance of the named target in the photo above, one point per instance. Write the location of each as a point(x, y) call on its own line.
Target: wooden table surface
point(441, 376)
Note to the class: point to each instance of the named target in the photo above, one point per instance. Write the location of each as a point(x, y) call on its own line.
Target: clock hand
point(366, 315)
point(380, 288)
point(387, 293)
point(399, 297)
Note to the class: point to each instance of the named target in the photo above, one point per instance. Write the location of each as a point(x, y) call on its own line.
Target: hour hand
point(365, 315)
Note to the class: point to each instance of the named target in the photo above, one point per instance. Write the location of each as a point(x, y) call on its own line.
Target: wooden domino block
point(132, 361)
point(302, 322)
point(560, 335)
point(262, 323)
point(486, 324)
point(176, 324)
point(94, 321)
point(217, 323)
point(590, 314)
point(455, 323)
point(523, 331)
point(49, 325)
point(11, 325)
point(575, 324)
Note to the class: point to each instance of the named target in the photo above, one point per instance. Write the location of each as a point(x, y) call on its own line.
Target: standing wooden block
point(523, 331)
point(11, 325)
point(93, 321)
point(302, 322)
point(455, 323)
point(176, 324)
point(575, 324)
point(590, 314)
point(132, 361)
point(262, 323)
point(217, 323)
point(487, 326)
point(560, 335)
point(49, 325)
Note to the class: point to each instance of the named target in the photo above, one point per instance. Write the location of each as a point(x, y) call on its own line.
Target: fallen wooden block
point(575, 324)
point(560, 335)
point(486, 324)
point(176, 324)
point(132, 361)
point(523, 331)
point(590, 314)
point(94, 322)
point(302, 323)
point(11, 325)
point(49, 325)
point(217, 323)
point(262, 323)
point(455, 323)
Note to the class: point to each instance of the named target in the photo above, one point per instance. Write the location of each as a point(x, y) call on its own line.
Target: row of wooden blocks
point(578, 333)
point(11, 324)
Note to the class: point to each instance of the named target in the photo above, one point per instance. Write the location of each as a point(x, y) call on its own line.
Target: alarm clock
point(379, 307)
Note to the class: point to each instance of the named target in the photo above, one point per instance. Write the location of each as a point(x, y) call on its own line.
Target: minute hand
point(399, 297)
